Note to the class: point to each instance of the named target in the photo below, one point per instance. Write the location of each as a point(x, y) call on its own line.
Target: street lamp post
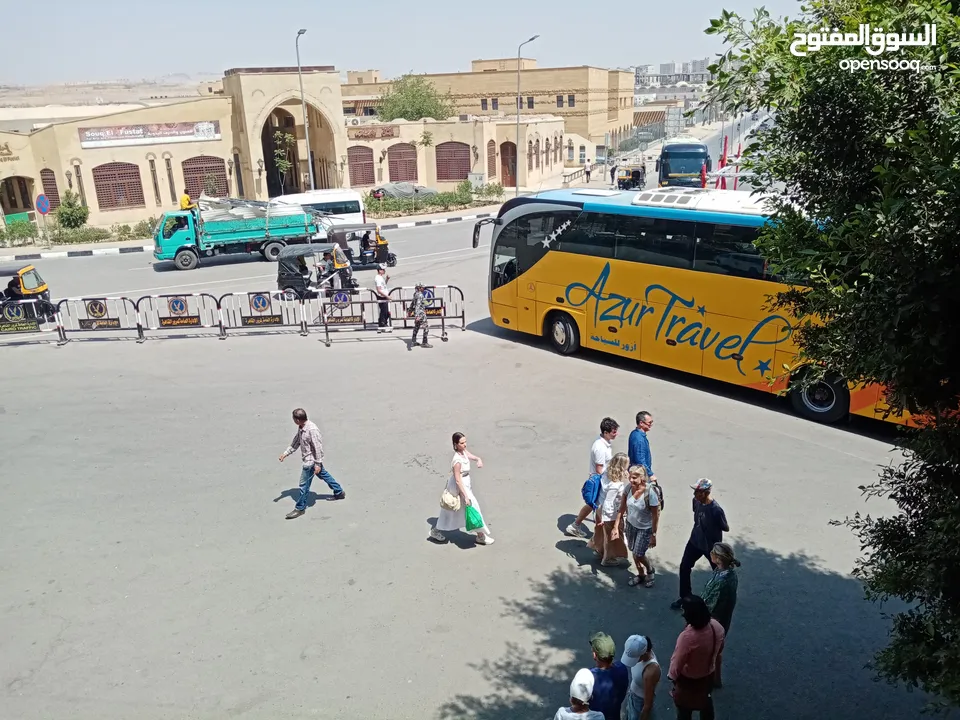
point(516, 161)
point(306, 120)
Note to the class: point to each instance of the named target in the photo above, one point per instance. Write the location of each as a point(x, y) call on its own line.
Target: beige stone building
point(596, 104)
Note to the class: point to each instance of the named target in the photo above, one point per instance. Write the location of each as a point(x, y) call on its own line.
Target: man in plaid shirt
point(418, 310)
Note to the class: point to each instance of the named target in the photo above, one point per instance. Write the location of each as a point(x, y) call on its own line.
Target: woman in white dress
point(459, 485)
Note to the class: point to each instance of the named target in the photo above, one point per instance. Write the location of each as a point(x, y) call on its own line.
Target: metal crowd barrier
point(343, 310)
point(97, 315)
point(181, 312)
point(261, 309)
point(29, 316)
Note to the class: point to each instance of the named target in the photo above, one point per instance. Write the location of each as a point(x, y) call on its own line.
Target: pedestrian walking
point(384, 322)
point(720, 596)
point(694, 660)
point(613, 175)
point(601, 452)
point(607, 538)
point(611, 678)
point(586, 170)
point(641, 505)
point(460, 487)
point(309, 441)
point(709, 525)
point(581, 690)
point(638, 444)
point(645, 675)
point(418, 311)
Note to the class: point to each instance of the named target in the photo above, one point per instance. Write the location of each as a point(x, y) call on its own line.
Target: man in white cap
point(581, 690)
point(644, 676)
point(709, 525)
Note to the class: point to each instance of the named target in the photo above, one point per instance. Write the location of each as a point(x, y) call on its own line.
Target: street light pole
point(516, 160)
point(306, 121)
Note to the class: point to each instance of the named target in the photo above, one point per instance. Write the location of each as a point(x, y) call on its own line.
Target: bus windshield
point(683, 162)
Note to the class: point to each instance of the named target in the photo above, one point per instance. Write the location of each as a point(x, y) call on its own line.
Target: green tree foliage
point(71, 213)
point(413, 97)
point(874, 155)
point(282, 154)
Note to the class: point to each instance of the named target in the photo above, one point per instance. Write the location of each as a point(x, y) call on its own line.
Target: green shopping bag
point(474, 518)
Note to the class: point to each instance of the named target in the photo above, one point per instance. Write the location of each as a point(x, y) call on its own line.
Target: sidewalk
point(122, 247)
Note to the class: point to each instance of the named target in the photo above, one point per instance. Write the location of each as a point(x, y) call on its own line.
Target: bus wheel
point(186, 260)
point(563, 333)
point(825, 401)
point(271, 251)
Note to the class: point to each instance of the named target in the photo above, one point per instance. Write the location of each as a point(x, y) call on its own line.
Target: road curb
point(78, 253)
point(437, 221)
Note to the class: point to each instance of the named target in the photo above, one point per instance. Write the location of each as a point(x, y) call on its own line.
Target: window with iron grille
point(118, 185)
point(205, 174)
point(11, 192)
point(483, 104)
point(569, 150)
point(571, 100)
point(360, 163)
point(559, 100)
point(173, 190)
point(495, 103)
point(24, 194)
point(529, 156)
point(48, 179)
point(402, 162)
point(453, 161)
point(156, 183)
point(546, 154)
point(583, 154)
point(536, 155)
point(491, 159)
point(529, 103)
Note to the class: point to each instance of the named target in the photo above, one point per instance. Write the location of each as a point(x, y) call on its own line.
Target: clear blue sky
point(99, 40)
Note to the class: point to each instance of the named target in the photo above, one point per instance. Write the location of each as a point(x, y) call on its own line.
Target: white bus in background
point(340, 207)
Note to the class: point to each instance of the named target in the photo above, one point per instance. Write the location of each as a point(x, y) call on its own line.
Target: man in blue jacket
point(639, 446)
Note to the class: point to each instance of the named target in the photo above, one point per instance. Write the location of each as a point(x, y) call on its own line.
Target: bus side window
point(593, 234)
point(656, 242)
point(729, 250)
point(520, 245)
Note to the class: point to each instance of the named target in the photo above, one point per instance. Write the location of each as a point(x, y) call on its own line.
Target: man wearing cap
point(644, 676)
point(709, 525)
point(581, 689)
point(611, 678)
point(418, 311)
point(383, 299)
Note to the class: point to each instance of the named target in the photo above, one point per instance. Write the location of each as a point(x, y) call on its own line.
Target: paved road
point(148, 571)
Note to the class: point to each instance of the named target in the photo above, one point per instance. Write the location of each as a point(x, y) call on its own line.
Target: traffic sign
point(643, 146)
point(43, 204)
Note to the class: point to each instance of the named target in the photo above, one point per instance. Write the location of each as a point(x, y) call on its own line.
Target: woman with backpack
point(641, 505)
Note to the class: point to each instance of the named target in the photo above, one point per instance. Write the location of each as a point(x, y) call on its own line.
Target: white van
point(343, 207)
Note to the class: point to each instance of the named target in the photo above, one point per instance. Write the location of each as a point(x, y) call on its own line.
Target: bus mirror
point(657, 167)
point(476, 235)
point(709, 164)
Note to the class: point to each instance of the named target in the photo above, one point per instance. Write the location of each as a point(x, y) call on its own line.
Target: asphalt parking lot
point(147, 570)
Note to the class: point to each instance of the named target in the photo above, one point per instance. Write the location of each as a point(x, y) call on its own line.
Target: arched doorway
point(280, 153)
point(329, 170)
point(508, 164)
point(16, 195)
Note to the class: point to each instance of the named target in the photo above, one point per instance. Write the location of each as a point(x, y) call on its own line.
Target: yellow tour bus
point(668, 276)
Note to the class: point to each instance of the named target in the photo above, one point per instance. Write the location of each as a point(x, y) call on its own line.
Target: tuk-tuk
point(315, 268)
point(631, 177)
point(22, 282)
point(371, 247)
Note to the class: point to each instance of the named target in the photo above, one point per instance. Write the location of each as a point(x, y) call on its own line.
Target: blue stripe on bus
point(666, 213)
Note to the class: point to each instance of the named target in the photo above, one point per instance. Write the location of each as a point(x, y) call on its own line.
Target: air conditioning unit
point(354, 122)
point(477, 179)
point(464, 118)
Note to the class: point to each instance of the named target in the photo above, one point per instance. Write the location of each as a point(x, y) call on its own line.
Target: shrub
point(71, 213)
point(495, 190)
point(77, 236)
point(121, 232)
point(465, 192)
point(145, 228)
point(19, 232)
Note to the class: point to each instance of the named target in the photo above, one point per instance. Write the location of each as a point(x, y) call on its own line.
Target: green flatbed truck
point(184, 237)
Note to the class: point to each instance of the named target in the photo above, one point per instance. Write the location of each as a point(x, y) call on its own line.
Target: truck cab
point(175, 238)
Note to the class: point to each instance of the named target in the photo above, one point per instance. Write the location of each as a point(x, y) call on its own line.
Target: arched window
point(402, 162)
point(529, 155)
point(491, 159)
point(569, 150)
point(536, 154)
point(360, 163)
point(453, 161)
point(118, 185)
point(583, 154)
point(546, 153)
point(205, 174)
point(49, 181)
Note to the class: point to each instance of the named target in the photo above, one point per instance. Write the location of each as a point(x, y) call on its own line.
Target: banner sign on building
point(373, 132)
point(121, 135)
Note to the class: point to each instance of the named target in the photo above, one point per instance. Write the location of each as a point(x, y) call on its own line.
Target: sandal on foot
point(636, 580)
point(649, 580)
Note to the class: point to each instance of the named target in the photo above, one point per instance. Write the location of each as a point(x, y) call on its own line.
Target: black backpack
point(659, 491)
